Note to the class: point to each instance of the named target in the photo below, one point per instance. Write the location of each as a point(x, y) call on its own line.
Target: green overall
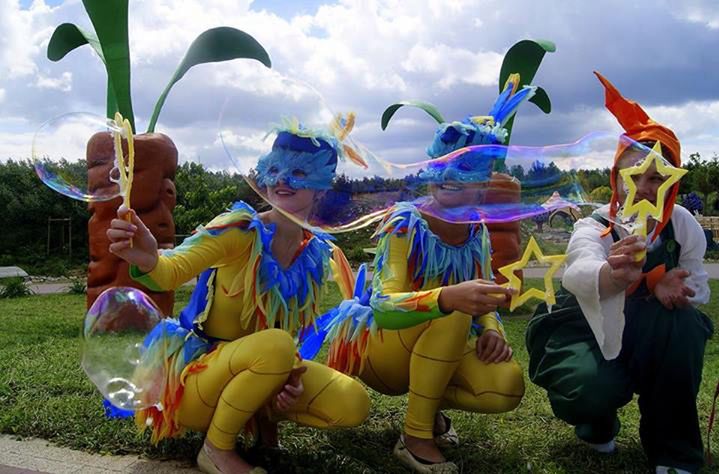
point(661, 360)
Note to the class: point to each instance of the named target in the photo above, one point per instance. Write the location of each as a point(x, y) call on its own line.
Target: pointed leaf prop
point(426, 106)
point(110, 21)
point(213, 45)
point(541, 100)
point(524, 58)
point(68, 37)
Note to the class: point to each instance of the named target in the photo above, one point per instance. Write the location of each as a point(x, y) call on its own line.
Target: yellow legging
point(244, 374)
point(440, 369)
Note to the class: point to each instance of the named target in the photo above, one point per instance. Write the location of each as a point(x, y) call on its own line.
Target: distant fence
point(710, 223)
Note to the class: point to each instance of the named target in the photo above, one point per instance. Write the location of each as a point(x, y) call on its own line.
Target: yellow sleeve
point(394, 307)
point(197, 253)
point(489, 321)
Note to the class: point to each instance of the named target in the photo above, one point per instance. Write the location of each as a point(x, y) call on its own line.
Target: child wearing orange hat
point(622, 326)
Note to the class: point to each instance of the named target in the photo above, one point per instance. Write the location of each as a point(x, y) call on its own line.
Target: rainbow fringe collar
point(430, 259)
point(349, 325)
point(278, 297)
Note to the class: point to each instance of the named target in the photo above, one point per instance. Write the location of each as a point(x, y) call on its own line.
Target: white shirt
point(587, 253)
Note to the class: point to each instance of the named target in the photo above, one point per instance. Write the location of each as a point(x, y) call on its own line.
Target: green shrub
point(77, 286)
point(601, 195)
point(14, 287)
point(51, 266)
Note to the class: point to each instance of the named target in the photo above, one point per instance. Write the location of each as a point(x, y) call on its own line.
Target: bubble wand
point(645, 209)
point(126, 167)
point(513, 281)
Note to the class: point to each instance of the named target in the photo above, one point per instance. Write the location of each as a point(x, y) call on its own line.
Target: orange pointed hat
point(639, 127)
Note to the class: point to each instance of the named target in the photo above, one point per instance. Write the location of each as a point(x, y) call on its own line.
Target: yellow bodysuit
point(413, 346)
point(232, 348)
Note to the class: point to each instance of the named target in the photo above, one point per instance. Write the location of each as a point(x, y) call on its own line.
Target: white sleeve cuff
point(604, 316)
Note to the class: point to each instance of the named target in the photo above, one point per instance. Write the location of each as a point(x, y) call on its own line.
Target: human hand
point(292, 390)
point(624, 270)
point(671, 290)
point(474, 297)
point(132, 241)
point(492, 347)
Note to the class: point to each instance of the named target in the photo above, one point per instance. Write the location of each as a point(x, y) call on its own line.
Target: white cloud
point(699, 11)
point(363, 55)
point(62, 83)
point(695, 123)
point(2, 95)
point(451, 65)
point(15, 139)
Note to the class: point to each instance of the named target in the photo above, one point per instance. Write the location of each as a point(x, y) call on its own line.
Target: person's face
point(647, 184)
point(298, 202)
point(452, 194)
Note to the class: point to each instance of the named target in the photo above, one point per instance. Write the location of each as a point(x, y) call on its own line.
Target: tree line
point(26, 203)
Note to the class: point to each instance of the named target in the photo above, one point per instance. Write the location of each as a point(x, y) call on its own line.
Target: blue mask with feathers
point(474, 166)
point(301, 160)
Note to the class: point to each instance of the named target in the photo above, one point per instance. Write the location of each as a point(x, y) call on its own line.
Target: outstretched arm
point(396, 308)
point(169, 270)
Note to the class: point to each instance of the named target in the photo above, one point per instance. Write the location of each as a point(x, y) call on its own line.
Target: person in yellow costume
point(231, 353)
point(431, 278)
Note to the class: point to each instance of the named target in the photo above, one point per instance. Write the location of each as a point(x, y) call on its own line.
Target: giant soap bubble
point(64, 157)
point(117, 355)
point(280, 135)
point(460, 187)
point(482, 183)
point(470, 184)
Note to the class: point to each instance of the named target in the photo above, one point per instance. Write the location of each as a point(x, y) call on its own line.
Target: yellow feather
point(514, 80)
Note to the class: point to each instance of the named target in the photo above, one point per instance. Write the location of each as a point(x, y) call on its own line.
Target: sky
point(361, 56)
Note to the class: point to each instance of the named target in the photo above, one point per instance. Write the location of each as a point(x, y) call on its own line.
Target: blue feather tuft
point(112, 412)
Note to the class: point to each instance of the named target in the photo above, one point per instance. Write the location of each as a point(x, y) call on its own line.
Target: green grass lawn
point(44, 393)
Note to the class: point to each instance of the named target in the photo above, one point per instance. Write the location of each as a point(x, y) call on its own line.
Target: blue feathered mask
point(306, 158)
point(482, 130)
point(301, 157)
point(473, 166)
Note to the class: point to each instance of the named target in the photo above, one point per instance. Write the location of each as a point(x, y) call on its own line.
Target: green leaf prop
point(524, 58)
point(68, 37)
point(111, 43)
point(541, 100)
point(426, 106)
point(213, 45)
point(110, 19)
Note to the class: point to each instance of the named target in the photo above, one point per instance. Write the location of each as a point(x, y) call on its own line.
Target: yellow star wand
point(513, 281)
point(644, 209)
point(126, 167)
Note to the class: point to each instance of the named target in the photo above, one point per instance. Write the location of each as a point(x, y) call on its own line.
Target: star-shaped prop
point(643, 209)
point(513, 280)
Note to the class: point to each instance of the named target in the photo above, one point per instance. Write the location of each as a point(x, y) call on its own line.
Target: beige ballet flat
point(208, 466)
point(420, 465)
point(448, 439)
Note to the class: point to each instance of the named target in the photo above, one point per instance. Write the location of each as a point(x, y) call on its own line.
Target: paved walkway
point(49, 288)
point(531, 272)
point(36, 455)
